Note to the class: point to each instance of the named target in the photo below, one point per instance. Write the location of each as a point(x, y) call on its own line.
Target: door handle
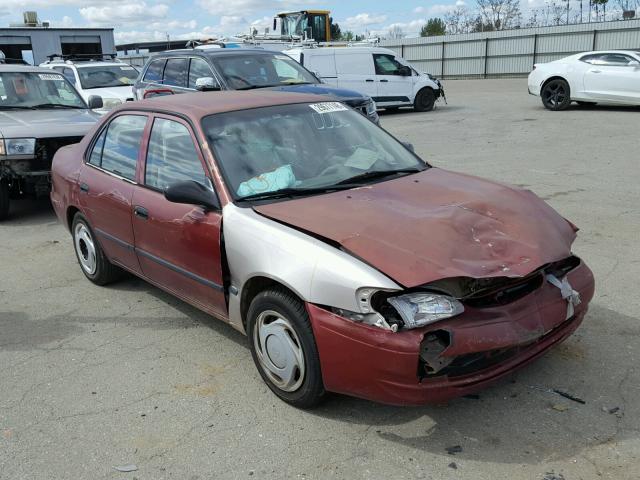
point(369, 80)
point(84, 187)
point(141, 212)
point(596, 71)
point(384, 80)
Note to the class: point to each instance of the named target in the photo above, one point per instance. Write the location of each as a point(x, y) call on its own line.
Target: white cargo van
point(378, 72)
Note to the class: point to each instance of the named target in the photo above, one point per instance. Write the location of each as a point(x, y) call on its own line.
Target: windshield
point(303, 148)
point(107, 76)
point(294, 24)
point(243, 72)
point(37, 90)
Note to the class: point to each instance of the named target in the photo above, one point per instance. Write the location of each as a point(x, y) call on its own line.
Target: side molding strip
point(159, 261)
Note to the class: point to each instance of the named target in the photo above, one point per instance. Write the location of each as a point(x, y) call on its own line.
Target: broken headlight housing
point(17, 146)
point(418, 309)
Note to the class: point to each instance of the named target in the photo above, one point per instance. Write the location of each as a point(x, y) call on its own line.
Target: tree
point(500, 14)
point(396, 32)
point(336, 34)
point(458, 20)
point(433, 27)
point(347, 36)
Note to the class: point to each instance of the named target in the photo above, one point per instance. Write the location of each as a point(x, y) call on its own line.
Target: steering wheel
point(236, 77)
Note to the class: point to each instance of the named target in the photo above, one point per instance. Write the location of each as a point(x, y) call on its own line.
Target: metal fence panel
point(512, 52)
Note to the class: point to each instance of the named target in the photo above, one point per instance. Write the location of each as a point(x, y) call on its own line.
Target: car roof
point(201, 104)
point(214, 52)
point(22, 68)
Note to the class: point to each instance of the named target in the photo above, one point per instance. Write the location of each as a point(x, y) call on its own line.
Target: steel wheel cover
point(86, 248)
point(279, 351)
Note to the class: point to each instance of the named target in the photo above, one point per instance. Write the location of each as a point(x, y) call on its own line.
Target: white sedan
point(588, 78)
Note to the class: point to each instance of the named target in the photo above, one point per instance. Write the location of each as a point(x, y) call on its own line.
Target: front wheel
point(556, 95)
point(4, 200)
point(93, 262)
point(284, 349)
point(425, 100)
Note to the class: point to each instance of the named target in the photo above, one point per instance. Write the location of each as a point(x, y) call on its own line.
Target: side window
point(67, 72)
point(96, 153)
point(154, 71)
point(385, 64)
point(197, 69)
point(354, 63)
point(175, 72)
point(121, 145)
point(616, 59)
point(172, 156)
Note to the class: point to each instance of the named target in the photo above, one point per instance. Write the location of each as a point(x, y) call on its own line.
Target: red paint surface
point(382, 366)
point(435, 224)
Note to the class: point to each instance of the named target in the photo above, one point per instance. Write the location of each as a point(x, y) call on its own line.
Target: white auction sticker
point(49, 76)
point(328, 107)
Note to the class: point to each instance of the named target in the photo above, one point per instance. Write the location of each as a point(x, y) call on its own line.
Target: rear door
point(176, 74)
point(614, 77)
point(322, 63)
point(107, 181)
point(393, 88)
point(355, 71)
point(178, 245)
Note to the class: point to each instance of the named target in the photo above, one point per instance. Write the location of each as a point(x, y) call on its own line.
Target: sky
point(147, 20)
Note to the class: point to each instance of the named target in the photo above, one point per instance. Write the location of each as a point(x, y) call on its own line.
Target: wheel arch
point(256, 285)
point(70, 214)
point(555, 77)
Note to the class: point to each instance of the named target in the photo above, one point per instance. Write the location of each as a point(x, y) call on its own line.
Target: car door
point(355, 71)
point(176, 73)
point(200, 68)
point(613, 77)
point(178, 245)
point(107, 181)
point(393, 87)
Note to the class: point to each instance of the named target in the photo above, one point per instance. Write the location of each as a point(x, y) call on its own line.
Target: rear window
point(175, 72)
point(154, 71)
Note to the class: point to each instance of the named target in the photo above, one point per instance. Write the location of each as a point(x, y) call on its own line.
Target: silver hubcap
point(85, 248)
point(279, 351)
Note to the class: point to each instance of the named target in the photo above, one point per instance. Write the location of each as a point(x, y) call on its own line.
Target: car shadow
point(29, 211)
point(517, 420)
point(605, 108)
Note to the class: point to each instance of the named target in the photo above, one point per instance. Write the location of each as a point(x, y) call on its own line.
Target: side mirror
point(404, 71)
point(409, 146)
point(205, 84)
point(192, 193)
point(318, 76)
point(634, 63)
point(95, 101)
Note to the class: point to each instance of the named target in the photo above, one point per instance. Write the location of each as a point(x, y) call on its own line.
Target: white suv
point(112, 80)
point(378, 72)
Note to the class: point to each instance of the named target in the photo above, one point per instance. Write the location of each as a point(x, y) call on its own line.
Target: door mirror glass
point(95, 101)
point(634, 63)
point(192, 193)
point(204, 84)
point(404, 71)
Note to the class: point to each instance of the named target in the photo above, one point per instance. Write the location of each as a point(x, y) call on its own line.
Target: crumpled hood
point(46, 123)
point(322, 89)
point(435, 224)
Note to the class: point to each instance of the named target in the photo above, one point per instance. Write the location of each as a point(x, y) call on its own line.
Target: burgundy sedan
point(352, 265)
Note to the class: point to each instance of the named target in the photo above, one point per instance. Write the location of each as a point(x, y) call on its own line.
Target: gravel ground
point(95, 378)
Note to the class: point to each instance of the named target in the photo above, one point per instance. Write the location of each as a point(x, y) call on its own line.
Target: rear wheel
point(284, 349)
point(556, 95)
point(4, 199)
point(425, 100)
point(92, 260)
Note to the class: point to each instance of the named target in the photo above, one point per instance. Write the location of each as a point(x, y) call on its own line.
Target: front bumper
point(383, 366)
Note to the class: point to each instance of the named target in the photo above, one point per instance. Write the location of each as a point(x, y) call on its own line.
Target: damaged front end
point(456, 335)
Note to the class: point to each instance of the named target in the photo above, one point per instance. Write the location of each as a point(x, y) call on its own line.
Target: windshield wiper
point(55, 105)
point(293, 192)
point(370, 175)
point(281, 84)
point(17, 107)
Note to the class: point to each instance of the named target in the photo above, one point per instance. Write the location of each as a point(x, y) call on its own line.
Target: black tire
point(556, 95)
point(4, 200)
point(105, 272)
point(310, 391)
point(425, 100)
